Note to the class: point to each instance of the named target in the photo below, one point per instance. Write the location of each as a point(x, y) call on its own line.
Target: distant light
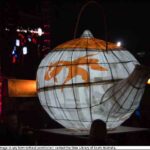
point(31, 31)
point(141, 54)
point(18, 30)
point(29, 39)
point(40, 32)
point(36, 31)
point(6, 29)
point(118, 44)
point(25, 88)
point(14, 51)
point(17, 42)
point(148, 82)
point(14, 59)
point(25, 50)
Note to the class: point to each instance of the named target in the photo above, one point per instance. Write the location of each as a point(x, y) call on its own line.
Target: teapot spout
point(139, 76)
point(124, 97)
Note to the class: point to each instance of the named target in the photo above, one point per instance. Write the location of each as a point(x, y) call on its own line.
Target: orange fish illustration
point(55, 68)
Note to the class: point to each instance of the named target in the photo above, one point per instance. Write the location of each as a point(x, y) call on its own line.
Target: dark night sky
point(127, 20)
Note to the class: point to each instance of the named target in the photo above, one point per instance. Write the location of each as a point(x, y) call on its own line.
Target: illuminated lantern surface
point(80, 81)
point(148, 82)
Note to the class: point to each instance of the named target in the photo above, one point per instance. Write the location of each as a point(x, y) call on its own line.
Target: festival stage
point(122, 135)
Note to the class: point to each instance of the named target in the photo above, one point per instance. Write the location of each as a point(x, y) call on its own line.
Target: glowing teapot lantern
point(80, 81)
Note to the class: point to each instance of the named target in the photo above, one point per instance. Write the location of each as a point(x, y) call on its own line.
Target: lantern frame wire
point(73, 85)
point(83, 110)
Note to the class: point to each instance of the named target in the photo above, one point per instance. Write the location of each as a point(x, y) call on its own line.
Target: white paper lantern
point(80, 81)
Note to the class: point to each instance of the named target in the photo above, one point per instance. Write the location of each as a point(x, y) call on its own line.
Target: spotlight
point(14, 51)
point(25, 50)
point(118, 44)
point(40, 32)
point(29, 39)
point(17, 42)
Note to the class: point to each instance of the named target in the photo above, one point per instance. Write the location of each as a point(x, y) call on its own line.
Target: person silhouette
point(98, 134)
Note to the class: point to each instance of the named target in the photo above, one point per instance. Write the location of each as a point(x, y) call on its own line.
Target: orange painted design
point(93, 43)
point(55, 68)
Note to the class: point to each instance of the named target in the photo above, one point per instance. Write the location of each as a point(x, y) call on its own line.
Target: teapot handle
point(104, 19)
